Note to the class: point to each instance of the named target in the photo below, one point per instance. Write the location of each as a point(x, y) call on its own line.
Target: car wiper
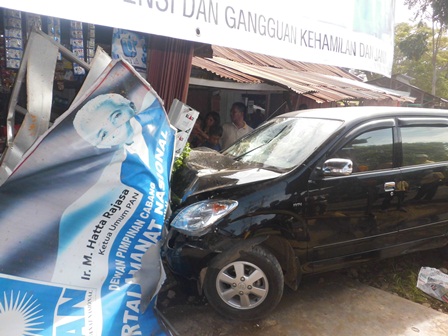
point(244, 154)
point(263, 144)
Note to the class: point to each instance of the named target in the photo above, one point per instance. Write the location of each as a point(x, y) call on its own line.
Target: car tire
point(247, 288)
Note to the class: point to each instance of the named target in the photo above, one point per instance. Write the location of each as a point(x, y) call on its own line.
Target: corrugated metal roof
point(223, 71)
point(321, 83)
point(242, 56)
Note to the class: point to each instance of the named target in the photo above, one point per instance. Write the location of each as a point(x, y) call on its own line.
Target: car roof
point(359, 113)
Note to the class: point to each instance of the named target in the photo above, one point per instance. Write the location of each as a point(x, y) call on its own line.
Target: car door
point(425, 189)
point(349, 216)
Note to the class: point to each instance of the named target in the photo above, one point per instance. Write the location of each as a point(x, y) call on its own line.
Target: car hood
point(207, 170)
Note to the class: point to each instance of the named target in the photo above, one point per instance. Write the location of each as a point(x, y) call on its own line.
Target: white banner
point(348, 33)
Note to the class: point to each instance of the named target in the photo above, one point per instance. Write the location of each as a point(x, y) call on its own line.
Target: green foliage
point(421, 50)
point(414, 57)
point(178, 181)
point(414, 46)
point(179, 162)
point(403, 283)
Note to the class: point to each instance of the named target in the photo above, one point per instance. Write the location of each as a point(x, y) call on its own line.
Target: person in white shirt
point(237, 128)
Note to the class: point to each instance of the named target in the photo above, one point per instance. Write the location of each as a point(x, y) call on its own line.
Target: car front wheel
point(247, 288)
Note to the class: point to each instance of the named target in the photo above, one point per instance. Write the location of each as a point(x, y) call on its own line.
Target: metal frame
point(38, 64)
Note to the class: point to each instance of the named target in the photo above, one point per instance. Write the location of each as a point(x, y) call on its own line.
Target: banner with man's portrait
point(82, 216)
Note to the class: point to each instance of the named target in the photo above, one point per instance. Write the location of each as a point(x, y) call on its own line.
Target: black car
point(307, 192)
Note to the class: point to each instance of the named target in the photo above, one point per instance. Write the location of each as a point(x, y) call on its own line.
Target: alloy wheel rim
point(242, 285)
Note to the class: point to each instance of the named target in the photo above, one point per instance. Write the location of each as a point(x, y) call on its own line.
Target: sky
point(402, 13)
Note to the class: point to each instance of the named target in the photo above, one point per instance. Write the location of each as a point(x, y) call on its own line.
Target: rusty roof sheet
point(320, 83)
point(224, 71)
point(242, 56)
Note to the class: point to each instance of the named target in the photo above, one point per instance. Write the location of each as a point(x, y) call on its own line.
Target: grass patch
point(399, 276)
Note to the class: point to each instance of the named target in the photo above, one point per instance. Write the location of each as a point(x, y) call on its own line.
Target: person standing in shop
point(214, 138)
point(237, 128)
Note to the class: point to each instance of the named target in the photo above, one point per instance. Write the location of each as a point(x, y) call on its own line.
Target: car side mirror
point(337, 167)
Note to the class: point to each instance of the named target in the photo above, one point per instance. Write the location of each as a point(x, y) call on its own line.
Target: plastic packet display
point(77, 45)
point(13, 38)
point(13, 43)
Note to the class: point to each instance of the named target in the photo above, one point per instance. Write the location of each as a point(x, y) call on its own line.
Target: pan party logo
point(20, 314)
point(30, 308)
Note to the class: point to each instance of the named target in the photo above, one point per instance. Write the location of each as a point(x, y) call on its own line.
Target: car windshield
point(283, 143)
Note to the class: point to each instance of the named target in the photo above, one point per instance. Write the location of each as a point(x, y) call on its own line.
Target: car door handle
point(389, 186)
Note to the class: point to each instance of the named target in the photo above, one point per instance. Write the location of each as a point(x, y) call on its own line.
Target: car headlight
point(196, 219)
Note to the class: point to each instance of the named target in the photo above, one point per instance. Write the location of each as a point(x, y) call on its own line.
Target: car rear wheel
point(247, 288)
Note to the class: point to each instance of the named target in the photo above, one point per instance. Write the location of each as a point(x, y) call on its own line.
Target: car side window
point(424, 144)
point(369, 151)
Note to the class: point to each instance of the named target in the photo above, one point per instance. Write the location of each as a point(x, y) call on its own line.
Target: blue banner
point(82, 216)
point(130, 46)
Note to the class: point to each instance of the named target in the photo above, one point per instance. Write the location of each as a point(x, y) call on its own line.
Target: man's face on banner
point(105, 121)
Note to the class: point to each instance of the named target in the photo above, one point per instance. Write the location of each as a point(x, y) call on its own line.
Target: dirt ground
point(399, 276)
point(396, 275)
